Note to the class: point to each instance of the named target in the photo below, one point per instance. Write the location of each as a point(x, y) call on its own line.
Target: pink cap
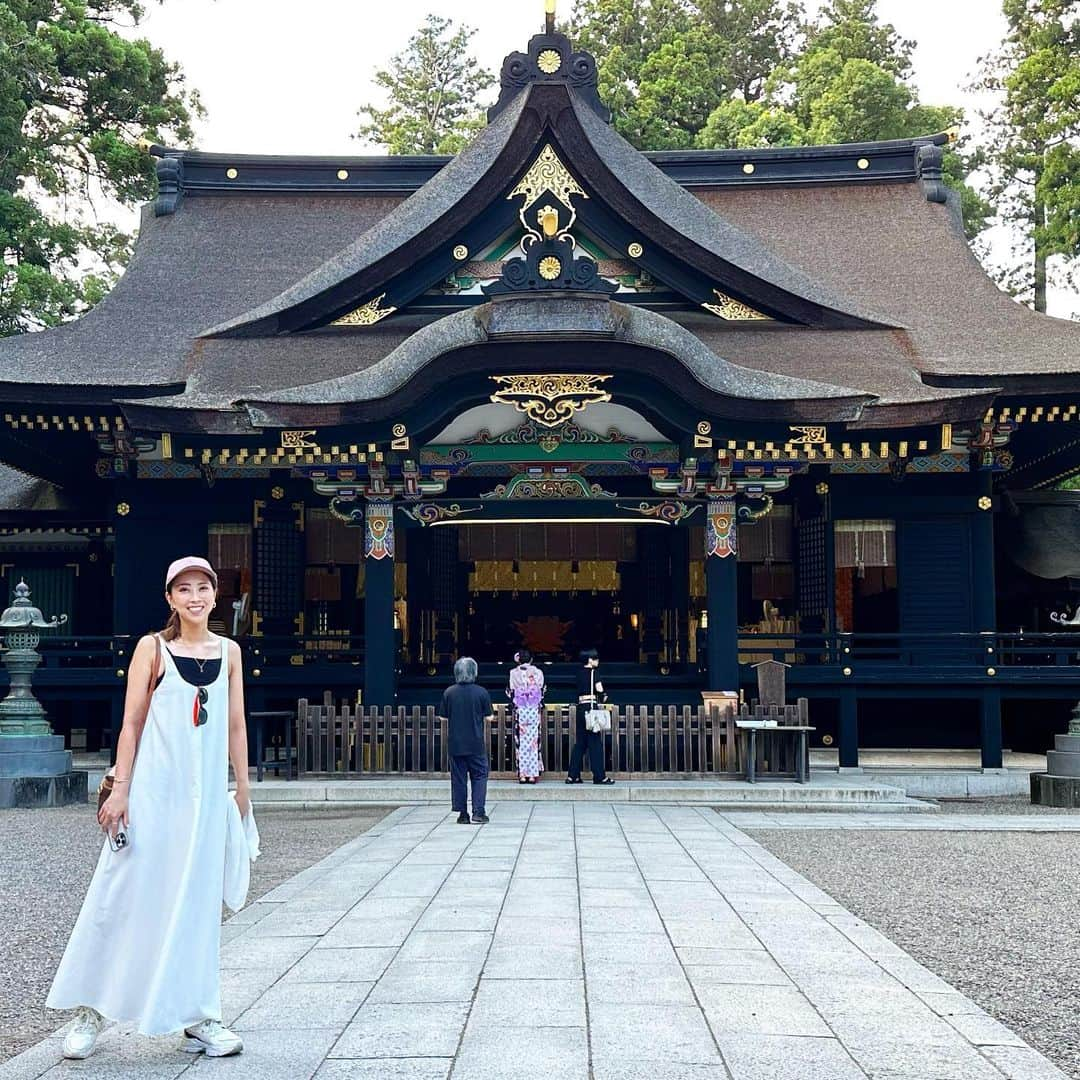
point(189, 562)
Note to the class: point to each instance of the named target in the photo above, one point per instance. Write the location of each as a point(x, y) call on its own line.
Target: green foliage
point(1031, 154)
point(433, 88)
point(665, 65)
point(744, 124)
point(75, 97)
point(623, 35)
point(711, 83)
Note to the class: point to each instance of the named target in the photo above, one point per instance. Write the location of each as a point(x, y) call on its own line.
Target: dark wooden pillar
point(653, 556)
point(148, 536)
point(990, 729)
point(679, 646)
point(379, 636)
point(849, 729)
point(277, 603)
point(444, 592)
point(722, 596)
point(984, 595)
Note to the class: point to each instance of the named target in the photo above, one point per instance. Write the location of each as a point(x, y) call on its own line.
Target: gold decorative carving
point(123, 509)
point(343, 174)
point(400, 440)
point(232, 174)
point(703, 435)
point(398, 430)
point(550, 268)
point(548, 219)
point(635, 250)
point(298, 440)
point(748, 168)
point(549, 61)
point(461, 253)
point(368, 314)
point(732, 310)
point(548, 173)
point(277, 493)
point(863, 163)
point(550, 400)
point(808, 434)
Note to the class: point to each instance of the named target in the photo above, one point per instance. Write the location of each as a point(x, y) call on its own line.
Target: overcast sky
point(278, 76)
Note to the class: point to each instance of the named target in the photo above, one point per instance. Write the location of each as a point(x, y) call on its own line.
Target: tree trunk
point(1040, 259)
point(1039, 220)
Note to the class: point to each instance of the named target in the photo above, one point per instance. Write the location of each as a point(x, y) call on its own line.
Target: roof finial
point(549, 16)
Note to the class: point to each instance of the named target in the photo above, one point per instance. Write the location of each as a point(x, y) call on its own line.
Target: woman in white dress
point(145, 947)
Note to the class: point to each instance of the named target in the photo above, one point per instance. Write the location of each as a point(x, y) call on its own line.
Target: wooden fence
point(646, 740)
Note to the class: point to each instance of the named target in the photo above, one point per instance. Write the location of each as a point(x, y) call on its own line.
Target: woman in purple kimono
point(526, 691)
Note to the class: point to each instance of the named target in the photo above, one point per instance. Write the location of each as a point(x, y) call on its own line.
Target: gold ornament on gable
point(298, 440)
point(549, 61)
point(550, 400)
point(808, 434)
point(732, 310)
point(549, 175)
point(367, 314)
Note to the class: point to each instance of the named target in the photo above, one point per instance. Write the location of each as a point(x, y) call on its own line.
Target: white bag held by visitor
point(241, 850)
point(596, 719)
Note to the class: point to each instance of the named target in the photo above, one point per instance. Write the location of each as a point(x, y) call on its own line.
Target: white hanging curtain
point(863, 543)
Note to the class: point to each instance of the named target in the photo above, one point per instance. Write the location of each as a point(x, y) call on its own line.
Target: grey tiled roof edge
point(495, 321)
point(205, 173)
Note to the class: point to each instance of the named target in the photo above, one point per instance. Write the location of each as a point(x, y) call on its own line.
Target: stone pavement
point(758, 819)
point(577, 940)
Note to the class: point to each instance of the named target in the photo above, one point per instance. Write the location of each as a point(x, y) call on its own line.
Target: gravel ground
point(1010, 804)
point(47, 858)
point(994, 914)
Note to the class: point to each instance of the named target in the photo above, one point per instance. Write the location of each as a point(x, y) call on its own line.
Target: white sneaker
point(213, 1039)
point(80, 1041)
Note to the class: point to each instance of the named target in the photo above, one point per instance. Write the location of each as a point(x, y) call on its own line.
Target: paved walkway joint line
point(578, 940)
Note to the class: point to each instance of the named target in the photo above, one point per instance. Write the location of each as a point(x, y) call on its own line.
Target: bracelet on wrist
point(126, 780)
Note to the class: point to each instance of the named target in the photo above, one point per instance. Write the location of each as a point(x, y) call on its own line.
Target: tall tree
point(665, 65)
point(1032, 154)
point(849, 83)
point(623, 35)
point(75, 97)
point(433, 89)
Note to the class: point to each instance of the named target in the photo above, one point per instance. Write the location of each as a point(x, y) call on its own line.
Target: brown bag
point(105, 788)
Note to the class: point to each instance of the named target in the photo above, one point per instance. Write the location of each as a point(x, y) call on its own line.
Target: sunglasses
point(198, 711)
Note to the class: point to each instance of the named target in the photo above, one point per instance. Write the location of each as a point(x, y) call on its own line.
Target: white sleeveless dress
point(145, 947)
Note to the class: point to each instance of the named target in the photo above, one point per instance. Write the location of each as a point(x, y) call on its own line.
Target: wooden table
point(802, 734)
point(259, 719)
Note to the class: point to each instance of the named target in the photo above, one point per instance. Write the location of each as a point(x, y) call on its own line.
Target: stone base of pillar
point(33, 755)
point(1060, 784)
point(36, 792)
point(35, 770)
point(1055, 790)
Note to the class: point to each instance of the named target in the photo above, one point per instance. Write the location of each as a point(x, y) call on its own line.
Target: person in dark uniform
point(590, 691)
point(465, 708)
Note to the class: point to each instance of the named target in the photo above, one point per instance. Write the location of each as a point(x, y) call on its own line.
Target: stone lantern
point(35, 769)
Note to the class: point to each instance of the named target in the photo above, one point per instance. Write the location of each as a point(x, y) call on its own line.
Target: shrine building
point(693, 409)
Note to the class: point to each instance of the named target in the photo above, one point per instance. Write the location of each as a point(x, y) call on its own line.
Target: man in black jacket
point(465, 707)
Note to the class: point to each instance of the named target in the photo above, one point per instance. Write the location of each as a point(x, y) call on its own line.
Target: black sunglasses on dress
point(198, 712)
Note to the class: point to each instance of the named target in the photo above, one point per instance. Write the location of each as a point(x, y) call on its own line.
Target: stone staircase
point(824, 792)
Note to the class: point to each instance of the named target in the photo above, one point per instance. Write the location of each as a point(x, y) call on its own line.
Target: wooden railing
point(653, 740)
